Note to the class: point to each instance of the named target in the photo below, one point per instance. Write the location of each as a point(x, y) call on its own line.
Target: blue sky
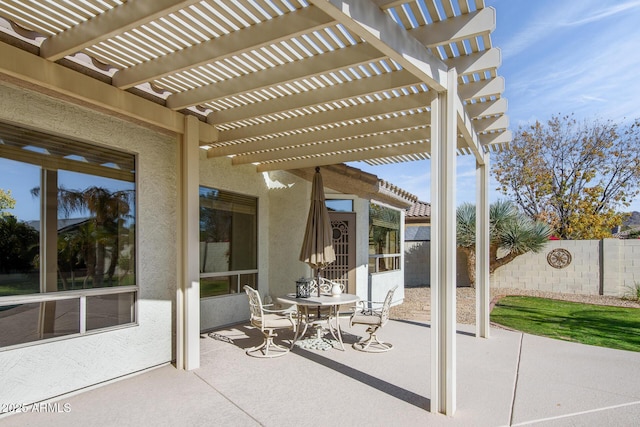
point(558, 56)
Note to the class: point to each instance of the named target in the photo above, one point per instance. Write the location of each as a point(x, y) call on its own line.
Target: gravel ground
point(417, 302)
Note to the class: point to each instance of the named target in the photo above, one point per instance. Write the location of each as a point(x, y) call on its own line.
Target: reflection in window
point(19, 235)
point(384, 238)
point(104, 311)
point(67, 223)
point(96, 248)
point(228, 242)
point(24, 323)
point(339, 205)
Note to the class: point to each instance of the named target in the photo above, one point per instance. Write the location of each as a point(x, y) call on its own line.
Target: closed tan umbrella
point(317, 246)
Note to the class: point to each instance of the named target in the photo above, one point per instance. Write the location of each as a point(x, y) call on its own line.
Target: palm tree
point(510, 234)
point(105, 231)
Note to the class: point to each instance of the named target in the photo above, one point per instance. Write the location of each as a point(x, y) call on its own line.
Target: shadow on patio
point(554, 383)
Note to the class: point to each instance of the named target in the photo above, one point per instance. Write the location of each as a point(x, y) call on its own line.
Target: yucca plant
point(510, 234)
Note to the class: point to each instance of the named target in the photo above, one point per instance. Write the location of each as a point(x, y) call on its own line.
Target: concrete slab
point(160, 397)
point(558, 379)
point(509, 379)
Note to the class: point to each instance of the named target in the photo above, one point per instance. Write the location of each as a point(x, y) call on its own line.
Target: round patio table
point(333, 302)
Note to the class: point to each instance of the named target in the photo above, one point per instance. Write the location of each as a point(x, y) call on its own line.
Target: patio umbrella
point(317, 246)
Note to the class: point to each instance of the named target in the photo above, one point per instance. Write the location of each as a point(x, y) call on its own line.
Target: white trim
point(443, 250)
point(228, 273)
point(62, 295)
point(482, 249)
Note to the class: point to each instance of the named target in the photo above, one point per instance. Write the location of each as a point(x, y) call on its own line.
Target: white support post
point(443, 249)
point(482, 249)
point(188, 295)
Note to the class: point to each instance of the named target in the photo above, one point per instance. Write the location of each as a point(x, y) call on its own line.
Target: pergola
point(287, 84)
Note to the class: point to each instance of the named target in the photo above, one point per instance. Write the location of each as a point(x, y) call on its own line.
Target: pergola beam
point(482, 89)
point(489, 124)
point(396, 105)
point(489, 108)
point(458, 28)
point(320, 136)
point(352, 89)
point(468, 134)
point(272, 31)
point(497, 138)
point(415, 147)
point(104, 26)
point(65, 82)
point(364, 142)
point(476, 62)
point(365, 19)
point(341, 58)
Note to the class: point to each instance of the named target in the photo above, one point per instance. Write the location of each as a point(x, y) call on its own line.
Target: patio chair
point(367, 314)
point(316, 314)
point(268, 321)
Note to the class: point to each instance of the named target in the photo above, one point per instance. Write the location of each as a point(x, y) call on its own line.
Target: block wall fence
point(597, 267)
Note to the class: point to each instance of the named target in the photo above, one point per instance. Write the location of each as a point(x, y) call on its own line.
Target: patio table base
point(316, 343)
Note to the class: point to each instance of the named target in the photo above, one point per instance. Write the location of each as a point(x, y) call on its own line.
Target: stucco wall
point(417, 265)
point(417, 256)
point(289, 207)
point(44, 370)
point(361, 207)
point(221, 174)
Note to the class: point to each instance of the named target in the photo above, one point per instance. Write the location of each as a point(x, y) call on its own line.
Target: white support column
point(188, 292)
point(443, 249)
point(482, 249)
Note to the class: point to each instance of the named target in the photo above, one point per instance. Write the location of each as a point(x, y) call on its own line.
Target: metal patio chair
point(268, 321)
point(374, 315)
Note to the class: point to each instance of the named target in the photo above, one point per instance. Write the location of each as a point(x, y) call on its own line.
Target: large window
point(67, 237)
point(228, 242)
point(384, 239)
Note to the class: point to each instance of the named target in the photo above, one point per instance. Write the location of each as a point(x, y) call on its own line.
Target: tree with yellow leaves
point(574, 175)
point(6, 201)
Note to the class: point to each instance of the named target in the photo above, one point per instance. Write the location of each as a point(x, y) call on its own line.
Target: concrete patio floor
point(509, 379)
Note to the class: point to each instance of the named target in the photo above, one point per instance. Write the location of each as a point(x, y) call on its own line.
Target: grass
point(633, 292)
point(604, 326)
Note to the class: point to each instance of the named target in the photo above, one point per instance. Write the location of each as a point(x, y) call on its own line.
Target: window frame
point(394, 259)
point(235, 273)
point(16, 154)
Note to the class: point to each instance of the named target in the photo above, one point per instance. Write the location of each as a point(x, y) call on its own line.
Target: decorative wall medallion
point(559, 258)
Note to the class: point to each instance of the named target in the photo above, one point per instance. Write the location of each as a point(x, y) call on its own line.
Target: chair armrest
point(284, 312)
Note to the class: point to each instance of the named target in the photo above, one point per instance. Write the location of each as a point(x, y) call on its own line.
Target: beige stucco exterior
point(40, 371)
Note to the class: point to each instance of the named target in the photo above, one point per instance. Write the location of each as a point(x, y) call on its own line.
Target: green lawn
point(613, 327)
